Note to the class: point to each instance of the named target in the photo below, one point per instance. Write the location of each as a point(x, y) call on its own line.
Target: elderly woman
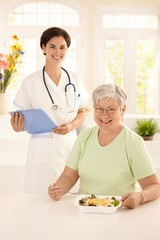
point(109, 159)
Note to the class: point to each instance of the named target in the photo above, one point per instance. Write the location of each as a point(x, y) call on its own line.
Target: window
point(129, 57)
point(114, 61)
point(145, 62)
point(130, 21)
point(43, 14)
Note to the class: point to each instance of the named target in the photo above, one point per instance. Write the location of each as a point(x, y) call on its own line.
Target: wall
point(105, 2)
point(13, 155)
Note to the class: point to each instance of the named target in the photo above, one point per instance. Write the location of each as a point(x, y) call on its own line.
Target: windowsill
point(141, 116)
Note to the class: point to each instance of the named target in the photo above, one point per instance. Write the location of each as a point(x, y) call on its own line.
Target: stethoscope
point(55, 106)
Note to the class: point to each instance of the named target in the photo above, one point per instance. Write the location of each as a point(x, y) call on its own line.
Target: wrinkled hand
point(55, 192)
point(63, 129)
point(17, 122)
point(132, 200)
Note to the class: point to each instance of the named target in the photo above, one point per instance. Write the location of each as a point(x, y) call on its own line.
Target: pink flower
point(4, 63)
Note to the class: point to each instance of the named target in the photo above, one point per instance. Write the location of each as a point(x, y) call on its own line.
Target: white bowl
point(97, 209)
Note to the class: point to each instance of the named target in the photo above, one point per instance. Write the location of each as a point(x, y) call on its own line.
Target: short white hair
point(107, 91)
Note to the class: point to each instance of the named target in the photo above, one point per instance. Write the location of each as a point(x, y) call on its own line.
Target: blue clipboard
point(36, 121)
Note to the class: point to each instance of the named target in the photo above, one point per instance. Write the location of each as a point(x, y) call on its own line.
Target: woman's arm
point(64, 183)
point(150, 191)
point(66, 128)
point(81, 114)
point(151, 187)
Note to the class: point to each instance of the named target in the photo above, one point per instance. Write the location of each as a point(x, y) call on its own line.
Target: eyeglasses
point(109, 110)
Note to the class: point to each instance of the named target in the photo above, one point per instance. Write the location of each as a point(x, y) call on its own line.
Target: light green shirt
point(113, 169)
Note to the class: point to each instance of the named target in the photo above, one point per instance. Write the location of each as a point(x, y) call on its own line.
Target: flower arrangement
point(9, 63)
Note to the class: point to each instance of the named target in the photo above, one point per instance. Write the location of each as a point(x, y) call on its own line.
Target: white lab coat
point(48, 152)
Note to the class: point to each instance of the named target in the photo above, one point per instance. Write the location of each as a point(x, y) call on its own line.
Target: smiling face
point(108, 114)
point(55, 50)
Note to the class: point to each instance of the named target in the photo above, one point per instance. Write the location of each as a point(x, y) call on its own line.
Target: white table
point(37, 217)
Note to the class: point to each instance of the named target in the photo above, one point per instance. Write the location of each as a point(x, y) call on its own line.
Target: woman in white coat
point(48, 89)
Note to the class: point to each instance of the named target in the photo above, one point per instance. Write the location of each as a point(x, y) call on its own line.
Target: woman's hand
point(17, 122)
point(55, 192)
point(132, 200)
point(64, 129)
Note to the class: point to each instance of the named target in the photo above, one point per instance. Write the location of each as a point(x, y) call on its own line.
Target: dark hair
point(54, 32)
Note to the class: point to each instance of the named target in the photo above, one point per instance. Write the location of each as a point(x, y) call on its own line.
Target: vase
point(3, 104)
point(148, 138)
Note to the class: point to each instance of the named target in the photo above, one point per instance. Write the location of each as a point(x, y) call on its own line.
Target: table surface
point(38, 217)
